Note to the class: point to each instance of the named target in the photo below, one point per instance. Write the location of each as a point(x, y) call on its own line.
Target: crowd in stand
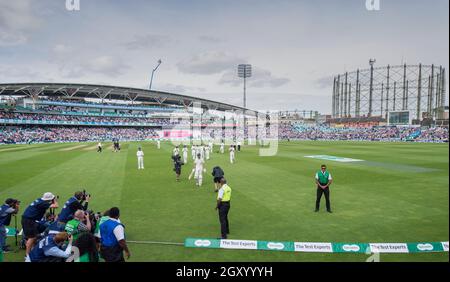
point(36, 134)
point(382, 133)
point(79, 110)
point(76, 118)
point(74, 133)
point(58, 99)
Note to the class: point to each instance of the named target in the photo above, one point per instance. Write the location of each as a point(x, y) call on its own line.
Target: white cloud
point(107, 65)
point(148, 41)
point(17, 20)
point(324, 82)
point(176, 88)
point(260, 78)
point(18, 72)
point(11, 39)
point(209, 63)
point(209, 39)
point(62, 49)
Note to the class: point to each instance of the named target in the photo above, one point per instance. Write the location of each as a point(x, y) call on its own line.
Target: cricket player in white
point(193, 149)
point(201, 151)
point(158, 144)
point(140, 157)
point(231, 154)
point(222, 148)
point(198, 170)
point(185, 154)
point(206, 149)
point(211, 144)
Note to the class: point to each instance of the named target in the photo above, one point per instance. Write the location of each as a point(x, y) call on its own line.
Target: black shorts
point(217, 179)
point(30, 227)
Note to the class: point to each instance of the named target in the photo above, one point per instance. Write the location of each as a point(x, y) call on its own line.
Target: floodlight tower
point(153, 72)
point(371, 62)
point(245, 71)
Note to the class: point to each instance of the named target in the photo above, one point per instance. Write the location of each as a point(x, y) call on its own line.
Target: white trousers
point(140, 163)
point(198, 175)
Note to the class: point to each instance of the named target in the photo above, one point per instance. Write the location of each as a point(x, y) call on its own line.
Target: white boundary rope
point(156, 243)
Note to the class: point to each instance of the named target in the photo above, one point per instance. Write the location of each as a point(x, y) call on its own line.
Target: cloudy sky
point(295, 46)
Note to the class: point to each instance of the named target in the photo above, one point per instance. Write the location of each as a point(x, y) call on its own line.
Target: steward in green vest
point(323, 181)
point(76, 226)
point(223, 205)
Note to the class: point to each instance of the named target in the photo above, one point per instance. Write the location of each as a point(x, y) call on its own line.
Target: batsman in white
point(140, 158)
point(198, 170)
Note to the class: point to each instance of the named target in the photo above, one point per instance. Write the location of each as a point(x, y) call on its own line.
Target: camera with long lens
point(85, 195)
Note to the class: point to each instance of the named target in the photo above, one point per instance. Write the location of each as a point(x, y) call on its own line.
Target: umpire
point(223, 205)
point(323, 181)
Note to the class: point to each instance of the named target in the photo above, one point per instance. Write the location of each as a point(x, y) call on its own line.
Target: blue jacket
point(108, 239)
point(5, 216)
point(38, 252)
point(66, 213)
point(36, 210)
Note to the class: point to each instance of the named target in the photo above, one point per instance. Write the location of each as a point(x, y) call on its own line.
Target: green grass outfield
point(400, 194)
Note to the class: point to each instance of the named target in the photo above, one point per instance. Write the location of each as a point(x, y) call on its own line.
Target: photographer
point(34, 213)
point(218, 174)
point(10, 207)
point(72, 205)
point(52, 226)
point(49, 249)
point(177, 162)
point(80, 223)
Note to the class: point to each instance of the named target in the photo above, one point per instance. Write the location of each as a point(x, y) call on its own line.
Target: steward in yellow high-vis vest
point(223, 205)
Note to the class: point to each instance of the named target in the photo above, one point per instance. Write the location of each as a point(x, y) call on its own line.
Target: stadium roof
point(71, 90)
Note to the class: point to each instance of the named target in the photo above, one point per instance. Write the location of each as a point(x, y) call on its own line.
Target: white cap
point(48, 196)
